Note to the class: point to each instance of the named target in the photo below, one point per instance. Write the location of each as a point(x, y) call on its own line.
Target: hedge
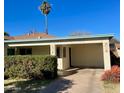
point(30, 67)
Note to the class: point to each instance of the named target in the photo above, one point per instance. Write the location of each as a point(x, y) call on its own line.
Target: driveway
point(84, 81)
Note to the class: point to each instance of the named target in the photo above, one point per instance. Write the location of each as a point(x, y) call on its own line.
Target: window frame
point(64, 51)
point(25, 51)
point(58, 52)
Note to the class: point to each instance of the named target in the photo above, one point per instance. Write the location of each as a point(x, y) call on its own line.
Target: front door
point(70, 56)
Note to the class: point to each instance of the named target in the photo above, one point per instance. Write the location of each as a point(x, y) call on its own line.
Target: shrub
point(112, 75)
point(50, 71)
point(30, 66)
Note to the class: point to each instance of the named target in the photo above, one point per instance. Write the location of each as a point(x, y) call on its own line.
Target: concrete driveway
point(84, 81)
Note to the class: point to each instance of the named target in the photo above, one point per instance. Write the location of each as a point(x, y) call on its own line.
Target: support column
point(106, 55)
point(5, 49)
point(53, 49)
point(16, 51)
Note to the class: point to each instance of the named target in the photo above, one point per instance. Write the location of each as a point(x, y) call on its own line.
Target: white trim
point(106, 55)
point(56, 43)
point(52, 49)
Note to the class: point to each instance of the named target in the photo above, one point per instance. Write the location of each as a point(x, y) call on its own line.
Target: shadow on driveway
point(38, 86)
point(58, 86)
point(25, 86)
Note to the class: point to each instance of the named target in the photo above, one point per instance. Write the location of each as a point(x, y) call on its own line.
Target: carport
point(87, 55)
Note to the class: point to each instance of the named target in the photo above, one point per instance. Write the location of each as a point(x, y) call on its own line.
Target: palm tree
point(45, 8)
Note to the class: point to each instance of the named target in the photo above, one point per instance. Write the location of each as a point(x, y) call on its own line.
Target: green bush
point(50, 71)
point(30, 67)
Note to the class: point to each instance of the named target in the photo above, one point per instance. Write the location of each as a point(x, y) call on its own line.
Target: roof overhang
point(63, 39)
point(59, 41)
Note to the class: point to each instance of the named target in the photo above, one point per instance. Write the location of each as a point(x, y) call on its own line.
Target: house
point(72, 51)
point(30, 35)
point(8, 38)
point(33, 35)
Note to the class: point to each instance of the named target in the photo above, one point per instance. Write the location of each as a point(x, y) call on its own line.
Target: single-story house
point(73, 51)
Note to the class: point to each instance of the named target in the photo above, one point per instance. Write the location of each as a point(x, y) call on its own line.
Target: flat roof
point(62, 38)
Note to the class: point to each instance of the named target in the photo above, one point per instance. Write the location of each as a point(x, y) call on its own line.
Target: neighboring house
point(31, 35)
point(8, 38)
point(115, 47)
point(73, 51)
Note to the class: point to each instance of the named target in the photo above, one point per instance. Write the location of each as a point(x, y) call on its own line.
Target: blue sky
point(66, 16)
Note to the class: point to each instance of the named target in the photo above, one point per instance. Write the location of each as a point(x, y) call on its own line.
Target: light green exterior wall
point(40, 50)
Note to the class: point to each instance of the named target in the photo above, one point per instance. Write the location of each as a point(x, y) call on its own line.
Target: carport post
point(5, 49)
point(16, 51)
point(53, 49)
point(106, 55)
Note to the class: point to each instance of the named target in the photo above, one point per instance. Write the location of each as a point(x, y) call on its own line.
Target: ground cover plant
point(112, 75)
point(111, 80)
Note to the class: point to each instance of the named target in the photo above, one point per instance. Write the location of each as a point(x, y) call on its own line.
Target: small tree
point(6, 34)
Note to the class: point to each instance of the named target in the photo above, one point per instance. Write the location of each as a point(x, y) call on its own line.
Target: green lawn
point(24, 86)
point(111, 87)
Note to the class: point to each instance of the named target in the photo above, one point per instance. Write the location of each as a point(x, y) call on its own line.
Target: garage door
point(87, 55)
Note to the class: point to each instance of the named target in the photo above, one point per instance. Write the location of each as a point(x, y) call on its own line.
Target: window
point(10, 51)
point(58, 52)
point(29, 51)
point(64, 51)
point(25, 51)
point(112, 46)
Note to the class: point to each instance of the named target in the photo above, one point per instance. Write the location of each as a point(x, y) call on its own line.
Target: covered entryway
point(87, 55)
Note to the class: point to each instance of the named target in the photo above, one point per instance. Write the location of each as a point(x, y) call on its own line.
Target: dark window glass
point(112, 46)
point(10, 51)
point(64, 51)
point(29, 51)
point(24, 51)
point(58, 52)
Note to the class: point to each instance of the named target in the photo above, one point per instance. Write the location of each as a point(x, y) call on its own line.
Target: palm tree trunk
point(46, 24)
